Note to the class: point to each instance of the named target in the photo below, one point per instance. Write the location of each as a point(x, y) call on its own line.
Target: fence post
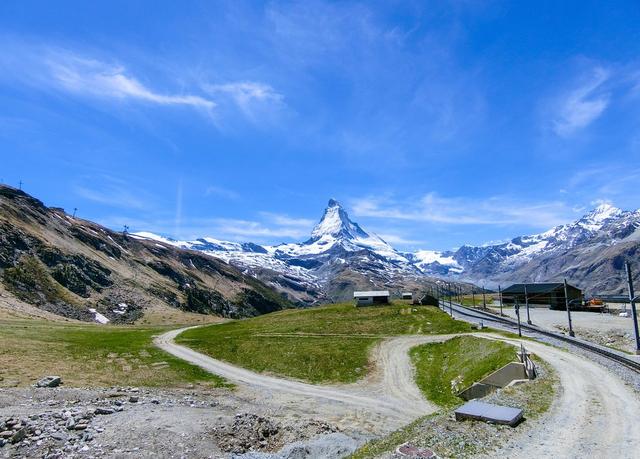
point(526, 302)
point(566, 302)
point(632, 299)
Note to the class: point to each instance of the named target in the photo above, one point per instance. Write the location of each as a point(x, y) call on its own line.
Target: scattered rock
point(133, 399)
point(104, 411)
point(19, 435)
point(59, 436)
point(49, 381)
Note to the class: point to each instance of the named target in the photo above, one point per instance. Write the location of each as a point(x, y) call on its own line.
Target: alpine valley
point(341, 256)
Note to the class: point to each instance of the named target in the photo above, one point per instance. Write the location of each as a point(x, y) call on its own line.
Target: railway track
point(512, 324)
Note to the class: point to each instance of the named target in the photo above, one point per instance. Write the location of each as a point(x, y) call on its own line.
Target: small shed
point(429, 300)
point(407, 296)
point(549, 293)
point(371, 297)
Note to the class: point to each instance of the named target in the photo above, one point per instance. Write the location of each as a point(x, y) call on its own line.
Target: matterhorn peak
point(335, 222)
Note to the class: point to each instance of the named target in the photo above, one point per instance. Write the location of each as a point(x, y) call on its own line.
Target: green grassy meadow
point(443, 369)
point(91, 355)
point(326, 344)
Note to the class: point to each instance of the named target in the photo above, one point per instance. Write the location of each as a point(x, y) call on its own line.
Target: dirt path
point(387, 400)
point(595, 414)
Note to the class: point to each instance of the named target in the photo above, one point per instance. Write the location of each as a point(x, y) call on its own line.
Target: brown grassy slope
point(65, 265)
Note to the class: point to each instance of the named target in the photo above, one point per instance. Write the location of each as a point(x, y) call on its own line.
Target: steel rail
point(600, 350)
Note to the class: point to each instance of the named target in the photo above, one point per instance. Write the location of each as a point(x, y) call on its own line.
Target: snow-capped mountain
point(340, 256)
point(336, 231)
point(589, 250)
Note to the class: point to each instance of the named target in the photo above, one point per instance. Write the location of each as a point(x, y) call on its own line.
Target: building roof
point(613, 298)
point(371, 293)
point(534, 288)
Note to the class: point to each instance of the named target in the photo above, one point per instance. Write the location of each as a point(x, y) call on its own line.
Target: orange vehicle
point(596, 302)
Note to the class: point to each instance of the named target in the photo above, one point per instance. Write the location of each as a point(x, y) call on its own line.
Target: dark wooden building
point(429, 300)
point(371, 297)
point(550, 293)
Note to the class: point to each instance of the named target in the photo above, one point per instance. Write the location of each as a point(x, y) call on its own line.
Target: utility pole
point(566, 302)
point(500, 294)
point(450, 296)
point(517, 306)
point(473, 297)
point(632, 299)
point(20, 185)
point(75, 209)
point(484, 298)
point(526, 302)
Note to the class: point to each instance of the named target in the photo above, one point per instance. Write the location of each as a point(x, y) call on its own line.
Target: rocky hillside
point(590, 251)
point(77, 269)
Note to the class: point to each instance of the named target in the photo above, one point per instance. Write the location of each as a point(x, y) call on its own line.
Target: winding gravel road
point(387, 399)
point(594, 414)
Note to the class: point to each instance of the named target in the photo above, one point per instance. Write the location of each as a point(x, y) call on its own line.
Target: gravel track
point(390, 395)
point(593, 415)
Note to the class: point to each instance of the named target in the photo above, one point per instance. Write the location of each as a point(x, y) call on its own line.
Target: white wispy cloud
point(495, 210)
point(396, 239)
point(112, 192)
point(583, 104)
point(230, 229)
point(608, 181)
point(246, 229)
point(93, 77)
point(245, 93)
point(96, 75)
point(285, 220)
point(221, 192)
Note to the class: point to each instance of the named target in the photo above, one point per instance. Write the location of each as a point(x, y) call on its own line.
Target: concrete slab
point(487, 412)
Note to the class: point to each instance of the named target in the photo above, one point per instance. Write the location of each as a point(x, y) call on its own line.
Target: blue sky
point(434, 123)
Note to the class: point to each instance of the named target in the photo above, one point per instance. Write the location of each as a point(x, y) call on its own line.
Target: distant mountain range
point(338, 257)
point(58, 264)
point(341, 256)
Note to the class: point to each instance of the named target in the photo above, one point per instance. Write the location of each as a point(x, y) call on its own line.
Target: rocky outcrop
point(78, 269)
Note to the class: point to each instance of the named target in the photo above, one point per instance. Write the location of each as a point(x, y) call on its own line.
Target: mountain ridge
point(65, 266)
point(337, 243)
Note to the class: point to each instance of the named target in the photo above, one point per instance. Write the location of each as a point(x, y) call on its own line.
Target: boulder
point(19, 435)
point(49, 381)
